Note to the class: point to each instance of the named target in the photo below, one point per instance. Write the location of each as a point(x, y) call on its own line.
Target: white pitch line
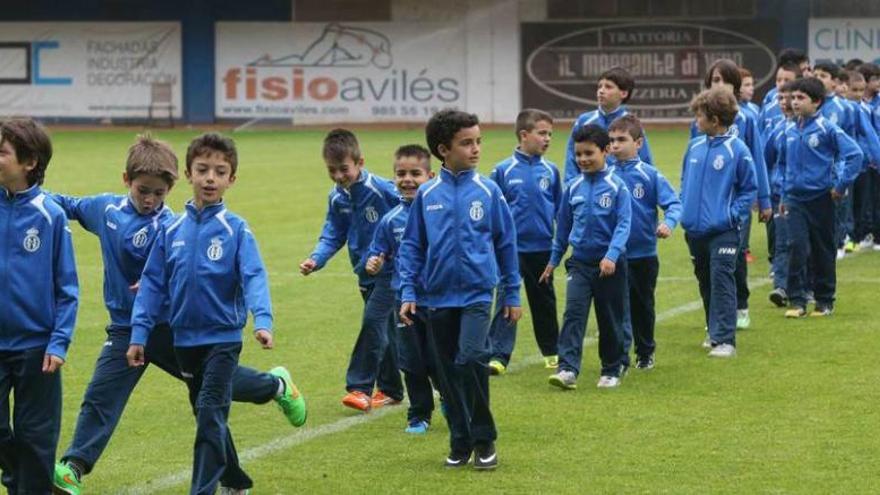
point(303, 436)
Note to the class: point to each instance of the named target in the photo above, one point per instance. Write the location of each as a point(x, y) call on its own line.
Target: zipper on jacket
point(194, 253)
point(4, 256)
point(703, 179)
point(457, 216)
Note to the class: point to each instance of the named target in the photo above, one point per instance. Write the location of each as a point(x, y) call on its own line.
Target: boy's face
point(590, 158)
point(13, 174)
point(410, 172)
point(536, 141)
point(210, 175)
point(806, 70)
point(147, 192)
point(463, 152)
point(346, 172)
point(856, 90)
point(719, 82)
point(841, 88)
point(747, 90)
point(826, 79)
point(872, 86)
point(706, 125)
point(609, 94)
point(785, 103)
point(623, 146)
point(802, 105)
point(784, 76)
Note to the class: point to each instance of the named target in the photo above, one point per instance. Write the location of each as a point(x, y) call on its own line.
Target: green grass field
point(795, 412)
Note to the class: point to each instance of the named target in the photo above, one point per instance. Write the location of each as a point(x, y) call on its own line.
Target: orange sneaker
point(357, 400)
point(380, 399)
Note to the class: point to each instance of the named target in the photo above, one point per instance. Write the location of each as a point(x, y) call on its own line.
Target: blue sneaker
point(418, 427)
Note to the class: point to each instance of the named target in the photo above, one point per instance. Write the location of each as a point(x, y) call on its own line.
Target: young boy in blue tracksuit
point(775, 140)
point(412, 168)
point(725, 73)
point(862, 201)
point(870, 204)
point(614, 89)
point(356, 204)
point(649, 190)
point(594, 218)
point(39, 290)
point(207, 266)
point(532, 187)
point(459, 240)
point(127, 226)
point(718, 187)
point(812, 148)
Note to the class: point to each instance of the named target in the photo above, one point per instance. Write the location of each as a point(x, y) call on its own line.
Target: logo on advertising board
point(562, 62)
point(24, 58)
point(307, 70)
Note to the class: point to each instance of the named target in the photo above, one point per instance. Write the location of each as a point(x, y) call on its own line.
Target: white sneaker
point(866, 243)
point(723, 351)
point(707, 342)
point(608, 382)
point(564, 379)
point(876, 247)
point(841, 253)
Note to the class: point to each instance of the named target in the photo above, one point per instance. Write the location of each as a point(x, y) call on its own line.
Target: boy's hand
point(264, 337)
point(835, 195)
point(135, 355)
point(663, 231)
point(606, 267)
point(135, 286)
point(51, 363)
point(548, 272)
point(512, 313)
point(765, 215)
point(406, 310)
point(308, 266)
point(374, 264)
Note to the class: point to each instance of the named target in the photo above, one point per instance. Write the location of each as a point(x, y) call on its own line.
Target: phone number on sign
point(404, 111)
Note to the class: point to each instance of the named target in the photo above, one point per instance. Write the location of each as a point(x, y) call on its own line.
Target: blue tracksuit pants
point(418, 370)
point(715, 257)
point(373, 361)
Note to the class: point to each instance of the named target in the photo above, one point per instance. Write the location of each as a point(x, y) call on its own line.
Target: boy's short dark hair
point(744, 73)
point(622, 79)
point(212, 142)
point(791, 67)
point(869, 70)
point(592, 134)
point(792, 56)
point(444, 125)
point(340, 144)
point(843, 76)
point(31, 144)
point(787, 87)
point(414, 150)
point(527, 119)
point(628, 123)
point(149, 156)
point(829, 67)
point(716, 102)
point(853, 63)
point(810, 86)
point(729, 72)
point(852, 76)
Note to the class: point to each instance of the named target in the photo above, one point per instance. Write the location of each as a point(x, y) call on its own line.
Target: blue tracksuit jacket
point(207, 263)
point(807, 160)
point(771, 114)
point(459, 241)
point(532, 187)
point(352, 216)
point(386, 239)
point(649, 189)
point(718, 184)
point(126, 237)
point(601, 118)
point(38, 283)
point(772, 147)
point(594, 218)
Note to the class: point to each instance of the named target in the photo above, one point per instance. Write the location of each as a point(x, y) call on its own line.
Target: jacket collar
point(522, 157)
point(209, 210)
point(447, 174)
point(22, 196)
point(609, 116)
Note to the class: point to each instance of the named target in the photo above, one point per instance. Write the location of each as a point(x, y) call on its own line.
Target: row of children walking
point(177, 290)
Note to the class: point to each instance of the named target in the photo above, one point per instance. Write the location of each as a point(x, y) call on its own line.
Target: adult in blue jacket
point(39, 290)
point(459, 245)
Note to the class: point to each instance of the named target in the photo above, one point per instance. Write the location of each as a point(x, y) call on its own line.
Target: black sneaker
point(778, 297)
point(457, 459)
point(645, 362)
point(485, 458)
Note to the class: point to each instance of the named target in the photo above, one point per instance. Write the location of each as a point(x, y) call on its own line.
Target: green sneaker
point(551, 362)
point(496, 367)
point(291, 402)
point(66, 480)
